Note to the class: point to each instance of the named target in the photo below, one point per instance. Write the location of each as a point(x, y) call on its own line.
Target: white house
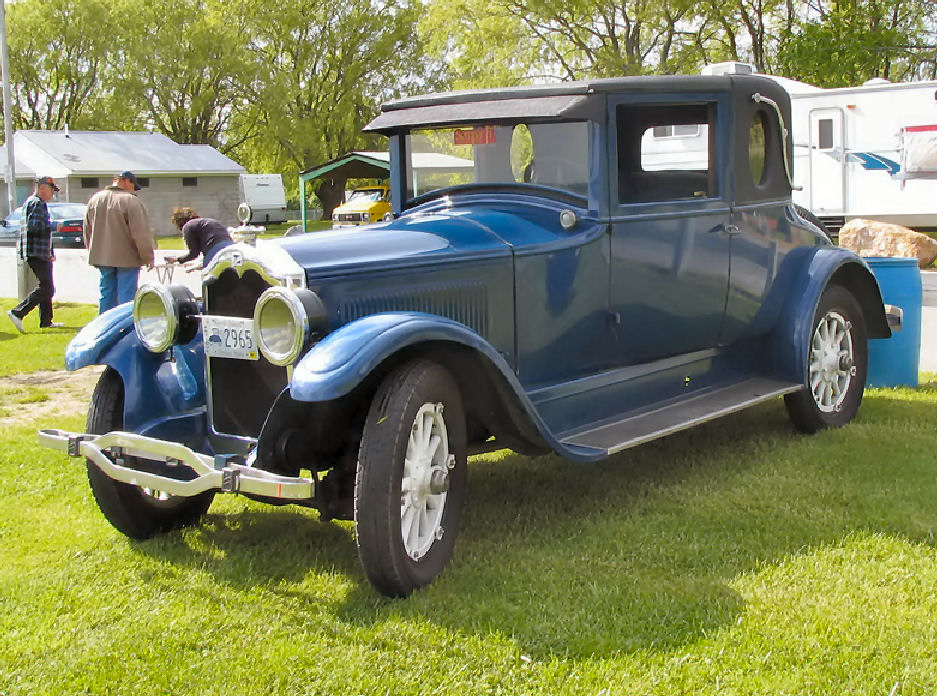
point(83, 162)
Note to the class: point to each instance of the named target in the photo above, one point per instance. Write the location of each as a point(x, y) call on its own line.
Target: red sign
point(482, 135)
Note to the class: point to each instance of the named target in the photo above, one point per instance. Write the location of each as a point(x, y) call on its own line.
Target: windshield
point(555, 155)
point(366, 196)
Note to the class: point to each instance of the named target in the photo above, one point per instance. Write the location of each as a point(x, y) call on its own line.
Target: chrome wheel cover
point(423, 488)
point(832, 362)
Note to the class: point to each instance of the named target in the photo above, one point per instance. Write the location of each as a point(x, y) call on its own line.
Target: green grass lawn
point(736, 558)
point(39, 349)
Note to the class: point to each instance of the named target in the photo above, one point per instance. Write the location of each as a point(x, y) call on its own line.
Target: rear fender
point(790, 340)
point(163, 398)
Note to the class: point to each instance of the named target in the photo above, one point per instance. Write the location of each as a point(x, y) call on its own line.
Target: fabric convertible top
point(563, 101)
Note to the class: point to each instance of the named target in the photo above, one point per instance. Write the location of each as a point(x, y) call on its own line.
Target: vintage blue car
point(569, 279)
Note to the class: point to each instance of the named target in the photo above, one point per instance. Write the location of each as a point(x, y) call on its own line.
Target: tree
point(326, 66)
point(181, 65)
point(56, 63)
point(846, 42)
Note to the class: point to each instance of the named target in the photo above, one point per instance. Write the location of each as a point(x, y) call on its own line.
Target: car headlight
point(285, 321)
point(366, 217)
point(164, 316)
point(334, 217)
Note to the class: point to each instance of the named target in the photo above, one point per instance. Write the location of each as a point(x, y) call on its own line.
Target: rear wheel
point(137, 512)
point(836, 365)
point(411, 478)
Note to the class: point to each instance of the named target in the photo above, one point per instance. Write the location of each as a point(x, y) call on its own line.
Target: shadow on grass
point(259, 546)
point(639, 552)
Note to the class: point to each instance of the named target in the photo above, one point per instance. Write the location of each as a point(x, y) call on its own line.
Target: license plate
point(229, 337)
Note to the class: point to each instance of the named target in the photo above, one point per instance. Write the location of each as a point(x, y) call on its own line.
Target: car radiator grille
point(240, 392)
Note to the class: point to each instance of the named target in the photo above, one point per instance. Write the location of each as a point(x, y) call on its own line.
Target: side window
point(757, 148)
point(666, 152)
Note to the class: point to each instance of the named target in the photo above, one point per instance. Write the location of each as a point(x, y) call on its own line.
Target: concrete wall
point(214, 196)
point(76, 281)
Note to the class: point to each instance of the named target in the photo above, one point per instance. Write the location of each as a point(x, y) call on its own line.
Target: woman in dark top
point(203, 236)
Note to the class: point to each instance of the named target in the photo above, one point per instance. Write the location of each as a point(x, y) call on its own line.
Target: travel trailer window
point(688, 131)
point(665, 152)
point(825, 136)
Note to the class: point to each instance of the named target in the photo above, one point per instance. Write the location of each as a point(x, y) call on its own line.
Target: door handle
point(730, 230)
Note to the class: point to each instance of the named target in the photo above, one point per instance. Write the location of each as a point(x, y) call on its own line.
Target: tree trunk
point(331, 193)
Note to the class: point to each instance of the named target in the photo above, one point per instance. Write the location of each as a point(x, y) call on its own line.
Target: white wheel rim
point(832, 362)
point(427, 459)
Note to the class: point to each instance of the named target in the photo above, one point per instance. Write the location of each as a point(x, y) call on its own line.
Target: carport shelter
point(368, 165)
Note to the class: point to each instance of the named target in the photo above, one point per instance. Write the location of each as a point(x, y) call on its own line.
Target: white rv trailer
point(265, 194)
point(863, 152)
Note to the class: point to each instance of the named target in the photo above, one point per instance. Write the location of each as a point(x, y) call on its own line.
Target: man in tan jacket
point(118, 238)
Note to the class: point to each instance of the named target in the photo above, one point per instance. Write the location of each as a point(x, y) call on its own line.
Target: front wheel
point(137, 512)
point(836, 365)
point(411, 478)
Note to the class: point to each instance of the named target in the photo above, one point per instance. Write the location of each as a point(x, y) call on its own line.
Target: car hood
point(411, 241)
point(356, 207)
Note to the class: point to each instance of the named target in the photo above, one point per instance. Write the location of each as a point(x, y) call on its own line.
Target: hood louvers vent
point(466, 303)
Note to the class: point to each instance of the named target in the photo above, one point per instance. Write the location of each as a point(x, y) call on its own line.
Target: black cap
point(131, 177)
point(48, 181)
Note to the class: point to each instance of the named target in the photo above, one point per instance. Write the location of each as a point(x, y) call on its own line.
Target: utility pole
point(7, 110)
point(10, 170)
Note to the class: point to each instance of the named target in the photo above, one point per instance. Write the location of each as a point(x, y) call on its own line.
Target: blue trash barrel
point(893, 362)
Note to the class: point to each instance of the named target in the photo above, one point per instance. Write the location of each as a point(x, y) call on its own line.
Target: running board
point(635, 429)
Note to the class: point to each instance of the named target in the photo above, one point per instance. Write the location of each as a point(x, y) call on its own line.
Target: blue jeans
point(210, 254)
point(118, 285)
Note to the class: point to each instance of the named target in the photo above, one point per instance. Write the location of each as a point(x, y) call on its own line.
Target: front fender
point(98, 336)
point(163, 398)
point(791, 338)
point(336, 365)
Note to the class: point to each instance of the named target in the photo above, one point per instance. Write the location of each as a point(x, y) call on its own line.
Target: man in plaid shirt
point(37, 250)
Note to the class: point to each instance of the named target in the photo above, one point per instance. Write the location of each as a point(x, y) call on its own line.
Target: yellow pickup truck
point(365, 205)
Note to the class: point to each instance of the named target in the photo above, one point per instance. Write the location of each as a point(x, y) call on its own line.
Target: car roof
point(563, 101)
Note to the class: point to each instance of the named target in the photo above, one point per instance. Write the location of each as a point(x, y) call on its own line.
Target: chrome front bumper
point(212, 473)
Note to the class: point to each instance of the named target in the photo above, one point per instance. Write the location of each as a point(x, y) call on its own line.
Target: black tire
point(128, 508)
point(813, 220)
point(383, 505)
point(833, 392)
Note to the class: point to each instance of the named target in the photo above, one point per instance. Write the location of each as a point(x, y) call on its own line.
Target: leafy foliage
point(850, 41)
point(289, 86)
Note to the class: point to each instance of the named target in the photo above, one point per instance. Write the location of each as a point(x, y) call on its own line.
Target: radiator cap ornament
point(245, 233)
